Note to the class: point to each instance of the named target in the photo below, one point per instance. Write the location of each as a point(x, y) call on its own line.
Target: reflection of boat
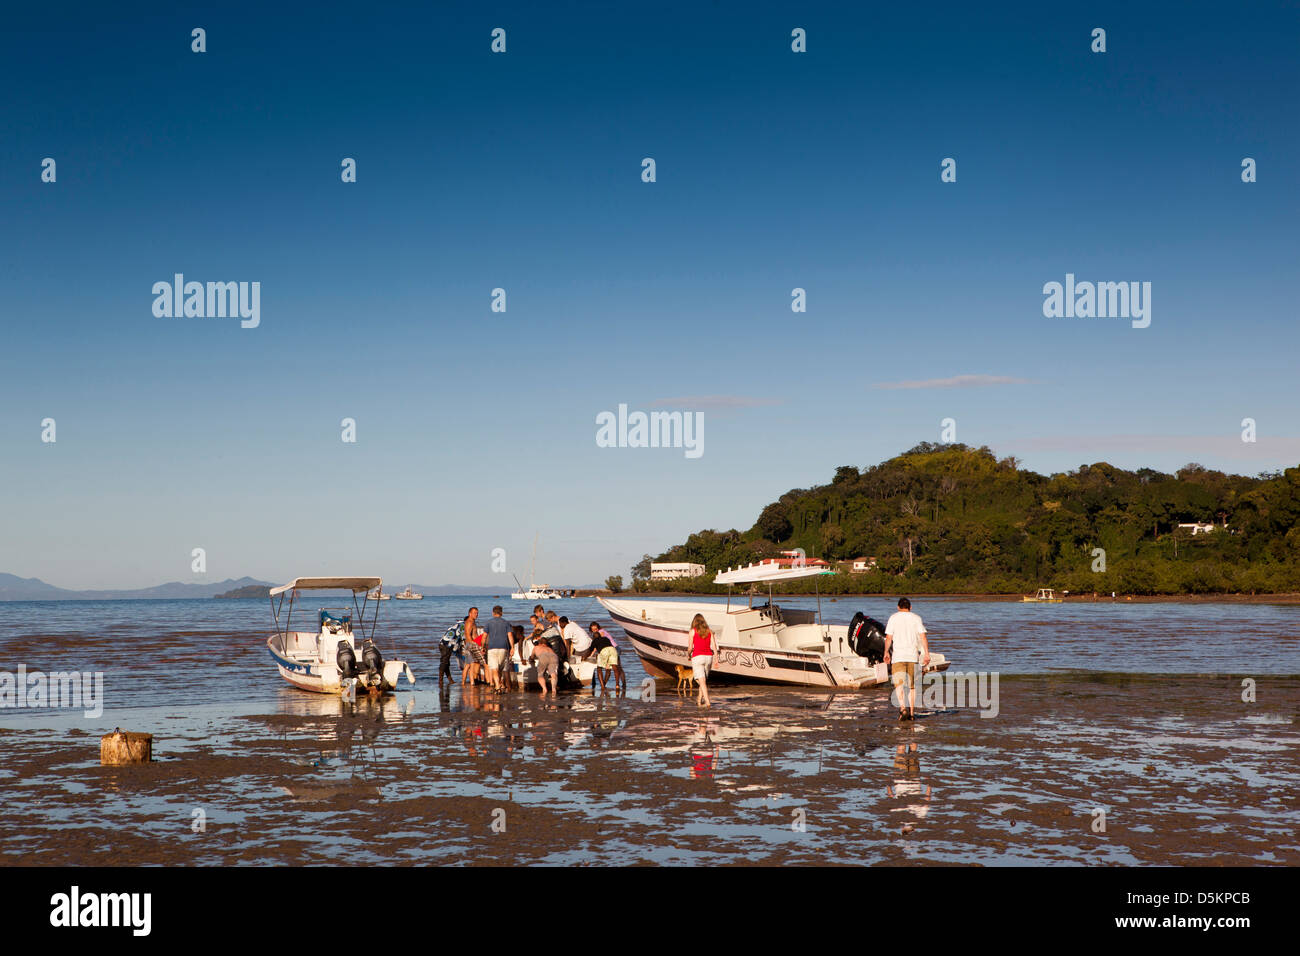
point(764, 644)
point(317, 793)
point(378, 595)
point(408, 595)
point(388, 709)
point(326, 661)
point(1044, 596)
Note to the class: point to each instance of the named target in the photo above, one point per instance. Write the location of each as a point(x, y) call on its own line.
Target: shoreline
point(1285, 597)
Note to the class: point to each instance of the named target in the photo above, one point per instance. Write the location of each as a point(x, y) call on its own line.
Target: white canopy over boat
point(766, 572)
point(328, 584)
point(334, 658)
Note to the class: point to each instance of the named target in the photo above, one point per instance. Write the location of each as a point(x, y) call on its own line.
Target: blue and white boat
point(329, 660)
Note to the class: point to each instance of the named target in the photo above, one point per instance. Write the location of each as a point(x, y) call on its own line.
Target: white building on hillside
point(670, 572)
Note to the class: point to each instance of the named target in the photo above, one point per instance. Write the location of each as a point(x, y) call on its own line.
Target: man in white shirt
point(577, 639)
point(905, 646)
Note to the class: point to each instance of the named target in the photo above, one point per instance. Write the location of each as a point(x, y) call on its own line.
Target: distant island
point(14, 588)
point(248, 591)
point(958, 520)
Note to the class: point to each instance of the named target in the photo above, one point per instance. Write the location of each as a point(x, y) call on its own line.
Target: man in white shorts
point(905, 645)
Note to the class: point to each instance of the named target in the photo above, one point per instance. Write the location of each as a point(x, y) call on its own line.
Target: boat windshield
point(340, 618)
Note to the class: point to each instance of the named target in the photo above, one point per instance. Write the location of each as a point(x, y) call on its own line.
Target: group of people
point(498, 650)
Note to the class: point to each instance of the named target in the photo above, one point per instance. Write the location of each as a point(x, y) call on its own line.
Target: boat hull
point(663, 648)
point(322, 677)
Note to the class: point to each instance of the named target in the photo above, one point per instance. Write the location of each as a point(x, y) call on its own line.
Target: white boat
point(1044, 596)
point(408, 595)
point(534, 591)
point(527, 670)
point(378, 595)
point(328, 660)
point(763, 644)
point(538, 592)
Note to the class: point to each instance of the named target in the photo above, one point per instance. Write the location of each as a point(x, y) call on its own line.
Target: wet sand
point(1185, 772)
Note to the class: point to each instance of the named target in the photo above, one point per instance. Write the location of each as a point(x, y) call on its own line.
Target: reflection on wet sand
point(909, 793)
point(1186, 772)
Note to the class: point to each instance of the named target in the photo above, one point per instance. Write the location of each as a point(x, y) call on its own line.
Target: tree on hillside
point(773, 524)
point(642, 568)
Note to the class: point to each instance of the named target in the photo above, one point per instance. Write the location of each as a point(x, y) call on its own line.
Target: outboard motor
point(372, 661)
point(346, 660)
point(867, 638)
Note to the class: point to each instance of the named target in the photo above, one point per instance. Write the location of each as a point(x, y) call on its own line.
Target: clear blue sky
point(523, 170)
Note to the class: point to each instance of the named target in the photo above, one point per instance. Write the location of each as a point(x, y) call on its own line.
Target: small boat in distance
point(327, 660)
point(1044, 596)
point(378, 595)
point(408, 595)
point(763, 644)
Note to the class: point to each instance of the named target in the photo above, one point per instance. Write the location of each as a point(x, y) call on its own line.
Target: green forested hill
point(952, 518)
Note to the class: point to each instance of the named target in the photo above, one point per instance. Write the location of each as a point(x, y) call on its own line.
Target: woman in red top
point(703, 646)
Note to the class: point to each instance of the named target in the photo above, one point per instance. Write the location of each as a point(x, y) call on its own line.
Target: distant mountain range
point(14, 588)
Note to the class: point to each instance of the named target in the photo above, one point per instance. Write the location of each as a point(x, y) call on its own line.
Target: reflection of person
point(909, 789)
point(703, 646)
point(704, 753)
point(906, 645)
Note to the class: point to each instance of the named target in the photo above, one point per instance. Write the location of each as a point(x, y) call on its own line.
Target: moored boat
point(757, 644)
point(406, 594)
point(328, 660)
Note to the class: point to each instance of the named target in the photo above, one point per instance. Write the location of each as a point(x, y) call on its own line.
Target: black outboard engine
point(346, 660)
point(867, 638)
point(371, 660)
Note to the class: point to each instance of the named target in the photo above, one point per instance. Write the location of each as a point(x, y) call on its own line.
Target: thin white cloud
point(714, 401)
point(958, 381)
point(1278, 448)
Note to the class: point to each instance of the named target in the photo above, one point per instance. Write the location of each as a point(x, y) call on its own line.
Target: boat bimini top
point(343, 620)
point(328, 584)
point(753, 573)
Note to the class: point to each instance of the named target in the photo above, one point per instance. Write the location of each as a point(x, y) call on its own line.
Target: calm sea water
point(176, 653)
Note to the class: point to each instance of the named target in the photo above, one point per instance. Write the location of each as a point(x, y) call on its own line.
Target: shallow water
point(1126, 716)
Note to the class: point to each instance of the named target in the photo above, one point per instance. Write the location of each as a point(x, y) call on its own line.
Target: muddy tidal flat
point(1183, 772)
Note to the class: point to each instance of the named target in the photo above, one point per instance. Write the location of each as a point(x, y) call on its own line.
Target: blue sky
point(476, 170)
